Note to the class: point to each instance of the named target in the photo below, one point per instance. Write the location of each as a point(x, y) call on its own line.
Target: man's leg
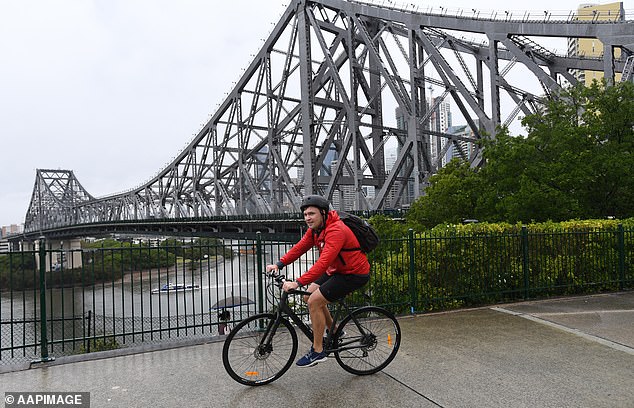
point(317, 303)
point(328, 317)
point(328, 323)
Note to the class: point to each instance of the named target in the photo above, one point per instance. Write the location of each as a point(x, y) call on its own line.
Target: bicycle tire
point(376, 349)
point(249, 363)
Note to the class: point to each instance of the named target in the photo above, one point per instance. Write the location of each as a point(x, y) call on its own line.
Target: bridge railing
point(56, 302)
point(545, 16)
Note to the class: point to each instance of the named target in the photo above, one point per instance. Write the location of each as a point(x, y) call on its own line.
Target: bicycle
point(261, 348)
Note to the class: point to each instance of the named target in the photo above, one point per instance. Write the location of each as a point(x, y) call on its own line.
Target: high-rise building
point(441, 116)
point(344, 197)
point(11, 229)
point(369, 192)
point(591, 47)
point(440, 121)
point(390, 159)
point(460, 148)
point(331, 157)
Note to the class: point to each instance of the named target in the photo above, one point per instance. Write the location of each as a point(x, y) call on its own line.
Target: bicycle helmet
point(315, 201)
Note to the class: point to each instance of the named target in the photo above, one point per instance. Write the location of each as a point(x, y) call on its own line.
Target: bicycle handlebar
point(279, 279)
point(279, 282)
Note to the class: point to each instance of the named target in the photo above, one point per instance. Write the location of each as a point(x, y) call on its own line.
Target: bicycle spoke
point(371, 342)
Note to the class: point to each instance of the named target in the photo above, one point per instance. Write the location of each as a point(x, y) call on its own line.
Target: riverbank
point(139, 276)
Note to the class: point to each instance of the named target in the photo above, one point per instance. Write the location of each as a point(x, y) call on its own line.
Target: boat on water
point(172, 287)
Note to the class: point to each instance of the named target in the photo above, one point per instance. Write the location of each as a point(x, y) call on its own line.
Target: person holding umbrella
point(223, 318)
point(227, 303)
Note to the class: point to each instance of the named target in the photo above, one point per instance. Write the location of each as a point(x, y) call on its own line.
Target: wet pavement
point(568, 352)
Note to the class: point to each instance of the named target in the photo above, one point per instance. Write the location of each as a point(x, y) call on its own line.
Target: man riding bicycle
point(341, 268)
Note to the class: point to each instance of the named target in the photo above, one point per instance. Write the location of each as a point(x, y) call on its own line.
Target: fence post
point(621, 250)
point(524, 236)
point(44, 357)
point(260, 266)
point(87, 344)
point(412, 272)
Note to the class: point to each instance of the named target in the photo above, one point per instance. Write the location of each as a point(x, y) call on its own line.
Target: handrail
point(543, 16)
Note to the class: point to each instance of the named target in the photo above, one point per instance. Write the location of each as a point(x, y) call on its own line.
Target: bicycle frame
point(284, 308)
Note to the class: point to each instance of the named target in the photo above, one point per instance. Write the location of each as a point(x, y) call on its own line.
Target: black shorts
point(337, 286)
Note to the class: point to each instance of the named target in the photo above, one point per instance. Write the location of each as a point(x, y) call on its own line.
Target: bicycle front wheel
point(252, 357)
point(370, 342)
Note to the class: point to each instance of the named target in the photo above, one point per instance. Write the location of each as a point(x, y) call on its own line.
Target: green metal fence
point(56, 302)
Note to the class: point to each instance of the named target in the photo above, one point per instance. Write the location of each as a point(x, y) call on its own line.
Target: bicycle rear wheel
point(371, 341)
point(251, 362)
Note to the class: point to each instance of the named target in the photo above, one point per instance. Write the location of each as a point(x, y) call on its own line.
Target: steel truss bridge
point(315, 110)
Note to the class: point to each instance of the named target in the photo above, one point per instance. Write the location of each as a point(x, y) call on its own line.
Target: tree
point(526, 179)
point(452, 196)
point(609, 123)
point(584, 151)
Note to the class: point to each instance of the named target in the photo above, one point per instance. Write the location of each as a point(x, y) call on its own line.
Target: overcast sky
point(114, 89)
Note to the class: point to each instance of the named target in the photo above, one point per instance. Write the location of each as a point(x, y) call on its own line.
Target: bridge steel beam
point(314, 111)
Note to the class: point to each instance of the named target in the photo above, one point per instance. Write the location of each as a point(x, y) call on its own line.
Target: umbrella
point(231, 301)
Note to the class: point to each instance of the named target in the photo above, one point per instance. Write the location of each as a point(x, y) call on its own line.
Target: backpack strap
point(347, 250)
point(350, 249)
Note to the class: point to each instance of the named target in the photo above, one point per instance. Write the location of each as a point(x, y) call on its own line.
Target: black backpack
point(366, 235)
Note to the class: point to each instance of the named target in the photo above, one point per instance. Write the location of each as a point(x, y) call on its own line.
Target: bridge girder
point(313, 112)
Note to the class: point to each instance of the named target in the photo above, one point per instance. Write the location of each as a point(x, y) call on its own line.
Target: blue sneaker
point(312, 358)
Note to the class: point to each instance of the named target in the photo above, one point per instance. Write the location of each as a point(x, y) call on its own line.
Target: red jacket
point(330, 241)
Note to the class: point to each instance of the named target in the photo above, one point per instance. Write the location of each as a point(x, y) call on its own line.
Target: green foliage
point(389, 233)
point(583, 147)
point(521, 184)
point(451, 197)
point(103, 344)
point(17, 271)
point(109, 260)
point(386, 226)
point(197, 249)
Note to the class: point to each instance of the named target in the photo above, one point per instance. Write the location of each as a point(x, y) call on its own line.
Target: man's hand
point(273, 267)
point(290, 285)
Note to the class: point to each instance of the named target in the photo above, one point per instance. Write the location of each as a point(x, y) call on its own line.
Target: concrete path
point(571, 352)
